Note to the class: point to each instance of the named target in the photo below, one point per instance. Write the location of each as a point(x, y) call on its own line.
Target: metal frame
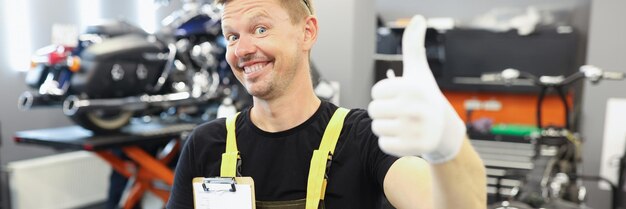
point(145, 170)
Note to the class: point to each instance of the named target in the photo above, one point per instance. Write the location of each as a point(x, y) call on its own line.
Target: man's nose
point(244, 47)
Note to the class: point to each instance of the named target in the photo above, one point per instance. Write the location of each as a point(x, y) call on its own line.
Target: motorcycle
point(117, 71)
point(555, 180)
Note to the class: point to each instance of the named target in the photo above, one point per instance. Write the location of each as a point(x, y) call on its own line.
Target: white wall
point(607, 41)
point(345, 47)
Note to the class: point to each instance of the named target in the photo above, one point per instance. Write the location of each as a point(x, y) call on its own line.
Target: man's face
point(264, 47)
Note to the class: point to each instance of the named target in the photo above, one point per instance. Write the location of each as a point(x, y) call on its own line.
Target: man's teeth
point(253, 68)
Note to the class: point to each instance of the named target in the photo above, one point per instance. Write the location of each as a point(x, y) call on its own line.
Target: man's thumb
point(413, 51)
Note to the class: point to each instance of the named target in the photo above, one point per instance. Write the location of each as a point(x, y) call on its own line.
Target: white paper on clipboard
point(221, 197)
point(614, 141)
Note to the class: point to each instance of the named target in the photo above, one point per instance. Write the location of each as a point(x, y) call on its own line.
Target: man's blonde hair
point(298, 9)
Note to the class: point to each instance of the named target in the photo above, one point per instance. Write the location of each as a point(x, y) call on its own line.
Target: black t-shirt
point(279, 162)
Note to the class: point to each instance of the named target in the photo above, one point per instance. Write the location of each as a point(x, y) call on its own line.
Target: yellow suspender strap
point(230, 157)
point(316, 185)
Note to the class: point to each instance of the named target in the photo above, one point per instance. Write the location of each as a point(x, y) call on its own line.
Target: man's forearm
point(408, 184)
point(460, 182)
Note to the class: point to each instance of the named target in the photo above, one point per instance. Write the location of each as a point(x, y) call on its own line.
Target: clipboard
point(223, 192)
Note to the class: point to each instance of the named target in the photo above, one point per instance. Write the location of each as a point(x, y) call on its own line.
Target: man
point(269, 43)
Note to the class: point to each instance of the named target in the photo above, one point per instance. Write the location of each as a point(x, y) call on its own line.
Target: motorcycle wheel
point(103, 122)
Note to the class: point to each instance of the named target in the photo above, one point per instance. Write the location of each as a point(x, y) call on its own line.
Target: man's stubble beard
point(279, 83)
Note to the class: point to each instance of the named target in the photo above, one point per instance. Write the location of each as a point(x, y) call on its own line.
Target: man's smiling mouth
point(255, 67)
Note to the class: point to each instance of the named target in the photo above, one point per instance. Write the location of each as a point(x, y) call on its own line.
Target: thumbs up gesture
point(409, 114)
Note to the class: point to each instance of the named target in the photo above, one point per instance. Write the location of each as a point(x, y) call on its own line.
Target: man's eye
point(231, 38)
point(260, 30)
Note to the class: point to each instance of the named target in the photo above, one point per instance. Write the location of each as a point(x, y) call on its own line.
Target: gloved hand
point(410, 114)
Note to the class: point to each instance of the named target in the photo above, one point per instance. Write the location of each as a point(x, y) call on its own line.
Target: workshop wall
point(11, 86)
point(12, 82)
point(605, 50)
point(345, 47)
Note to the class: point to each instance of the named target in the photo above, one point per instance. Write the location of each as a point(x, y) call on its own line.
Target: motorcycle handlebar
point(592, 73)
point(613, 75)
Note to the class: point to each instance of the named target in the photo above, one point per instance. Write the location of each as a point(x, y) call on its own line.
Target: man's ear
point(310, 32)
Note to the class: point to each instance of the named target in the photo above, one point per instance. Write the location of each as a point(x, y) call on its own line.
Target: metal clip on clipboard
point(206, 184)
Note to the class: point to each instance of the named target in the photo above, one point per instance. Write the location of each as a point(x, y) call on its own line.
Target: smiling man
point(278, 138)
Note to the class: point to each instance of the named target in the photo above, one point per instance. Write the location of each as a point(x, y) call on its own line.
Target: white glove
point(410, 114)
